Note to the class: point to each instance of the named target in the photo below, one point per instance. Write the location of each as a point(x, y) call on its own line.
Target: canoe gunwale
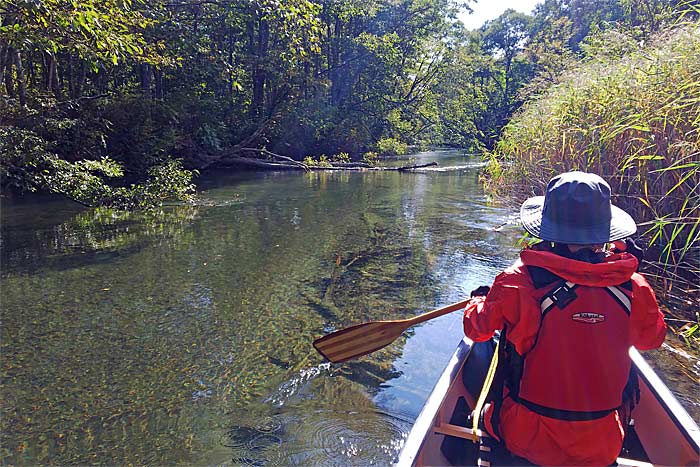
point(680, 417)
point(426, 419)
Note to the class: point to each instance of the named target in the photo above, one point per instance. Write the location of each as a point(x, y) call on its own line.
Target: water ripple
point(351, 438)
point(292, 386)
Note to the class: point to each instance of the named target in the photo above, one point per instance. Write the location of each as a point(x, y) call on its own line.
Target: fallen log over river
point(268, 164)
point(246, 155)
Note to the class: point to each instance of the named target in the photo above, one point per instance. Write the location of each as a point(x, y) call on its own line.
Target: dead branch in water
point(287, 163)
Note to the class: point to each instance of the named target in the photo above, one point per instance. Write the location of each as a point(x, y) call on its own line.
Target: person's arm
point(510, 302)
point(647, 326)
point(483, 315)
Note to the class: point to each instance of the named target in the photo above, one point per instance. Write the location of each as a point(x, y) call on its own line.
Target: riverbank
point(630, 113)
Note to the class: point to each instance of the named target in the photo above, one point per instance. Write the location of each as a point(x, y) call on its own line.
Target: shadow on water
point(183, 336)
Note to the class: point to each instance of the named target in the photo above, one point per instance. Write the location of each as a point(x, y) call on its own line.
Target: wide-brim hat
point(576, 209)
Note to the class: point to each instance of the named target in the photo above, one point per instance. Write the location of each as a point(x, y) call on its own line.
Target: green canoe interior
point(663, 432)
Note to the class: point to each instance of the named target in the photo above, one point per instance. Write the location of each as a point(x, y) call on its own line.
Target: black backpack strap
point(631, 393)
point(541, 277)
point(630, 399)
point(559, 297)
point(563, 295)
point(514, 370)
point(568, 415)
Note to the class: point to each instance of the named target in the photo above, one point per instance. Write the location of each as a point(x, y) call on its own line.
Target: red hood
point(615, 270)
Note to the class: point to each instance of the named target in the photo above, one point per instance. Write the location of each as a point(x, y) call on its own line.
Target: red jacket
point(588, 362)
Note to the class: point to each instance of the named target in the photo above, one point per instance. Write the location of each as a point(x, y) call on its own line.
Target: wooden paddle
point(361, 339)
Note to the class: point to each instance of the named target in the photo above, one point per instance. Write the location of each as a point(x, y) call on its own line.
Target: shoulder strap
point(564, 294)
point(559, 297)
point(620, 297)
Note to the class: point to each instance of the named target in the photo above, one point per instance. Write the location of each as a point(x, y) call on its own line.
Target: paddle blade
point(359, 340)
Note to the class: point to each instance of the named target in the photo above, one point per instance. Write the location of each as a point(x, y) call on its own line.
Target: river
point(183, 336)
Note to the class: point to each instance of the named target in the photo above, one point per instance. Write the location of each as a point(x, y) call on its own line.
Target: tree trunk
point(68, 76)
point(259, 74)
point(82, 76)
point(307, 79)
point(329, 39)
point(335, 82)
point(230, 64)
point(9, 75)
point(29, 72)
point(158, 83)
point(55, 80)
point(4, 49)
point(46, 70)
point(21, 84)
point(4, 61)
point(506, 84)
point(145, 71)
point(52, 83)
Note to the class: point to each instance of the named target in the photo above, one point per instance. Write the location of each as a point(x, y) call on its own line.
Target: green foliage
point(26, 164)
point(342, 157)
point(390, 147)
point(101, 32)
point(370, 158)
point(506, 34)
point(609, 45)
point(322, 161)
point(167, 181)
point(549, 54)
point(23, 159)
point(325, 162)
point(140, 81)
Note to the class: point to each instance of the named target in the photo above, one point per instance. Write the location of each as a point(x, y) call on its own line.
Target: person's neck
point(587, 254)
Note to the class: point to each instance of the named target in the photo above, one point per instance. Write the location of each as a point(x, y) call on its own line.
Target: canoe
point(663, 433)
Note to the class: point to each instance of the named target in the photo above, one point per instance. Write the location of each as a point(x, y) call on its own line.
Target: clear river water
point(184, 336)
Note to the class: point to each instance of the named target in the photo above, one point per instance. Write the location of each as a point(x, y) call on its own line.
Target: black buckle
point(562, 296)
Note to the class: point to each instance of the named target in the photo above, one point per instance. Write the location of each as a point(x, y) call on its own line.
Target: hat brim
point(621, 226)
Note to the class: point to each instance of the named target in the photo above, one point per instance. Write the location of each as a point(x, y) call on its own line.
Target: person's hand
point(481, 291)
point(631, 247)
point(635, 249)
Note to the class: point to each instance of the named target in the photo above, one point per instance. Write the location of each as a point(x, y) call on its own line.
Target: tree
point(505, 38)
point(548, 53)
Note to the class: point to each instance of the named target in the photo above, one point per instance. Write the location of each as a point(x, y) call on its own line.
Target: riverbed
point(183, 336)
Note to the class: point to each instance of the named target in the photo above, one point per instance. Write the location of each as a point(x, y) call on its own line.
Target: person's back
point(571, 313)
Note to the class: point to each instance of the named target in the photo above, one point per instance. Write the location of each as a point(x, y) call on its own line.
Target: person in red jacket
point(571, 310)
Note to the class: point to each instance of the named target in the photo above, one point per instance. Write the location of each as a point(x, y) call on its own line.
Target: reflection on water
point(183, 336)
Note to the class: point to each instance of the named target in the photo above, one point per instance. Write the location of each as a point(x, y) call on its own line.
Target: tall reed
point(634, 119)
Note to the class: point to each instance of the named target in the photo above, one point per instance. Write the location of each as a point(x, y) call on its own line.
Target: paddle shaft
point(435, 313)
point(369, 337)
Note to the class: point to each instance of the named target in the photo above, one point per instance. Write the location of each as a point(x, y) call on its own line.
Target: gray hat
point(576, 209)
